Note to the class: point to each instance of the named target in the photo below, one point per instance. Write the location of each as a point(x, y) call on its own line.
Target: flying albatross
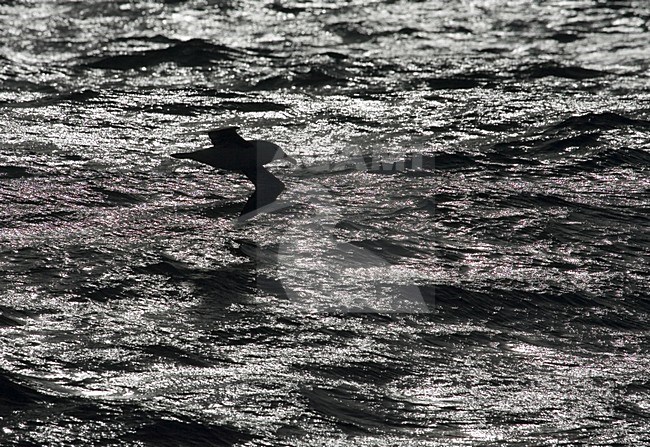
point(233, 153)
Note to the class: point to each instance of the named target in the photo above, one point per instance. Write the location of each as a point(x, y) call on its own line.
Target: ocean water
point(460, 258)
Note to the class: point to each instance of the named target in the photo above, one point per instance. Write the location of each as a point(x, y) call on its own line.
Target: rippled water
point(492, 292)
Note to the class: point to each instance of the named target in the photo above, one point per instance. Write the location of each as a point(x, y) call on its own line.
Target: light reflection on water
point(134, 309)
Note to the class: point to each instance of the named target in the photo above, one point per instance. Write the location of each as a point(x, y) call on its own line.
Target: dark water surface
point(498, 295)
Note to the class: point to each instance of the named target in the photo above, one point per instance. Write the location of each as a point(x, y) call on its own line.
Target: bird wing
point(227, 137)
point(267, 188)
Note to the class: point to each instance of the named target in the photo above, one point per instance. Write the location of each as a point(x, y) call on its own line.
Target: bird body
point(231, 152)
point(233, 158)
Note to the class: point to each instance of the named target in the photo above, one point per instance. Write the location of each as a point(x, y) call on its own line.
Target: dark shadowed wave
point(613, 157)
point(542, 70)
point(585, 134)
point(522, 308)
point(599, 121)
point(73, 97)
point(191, 53)
point(14, 395)
point(315, 77)
point(139, 425)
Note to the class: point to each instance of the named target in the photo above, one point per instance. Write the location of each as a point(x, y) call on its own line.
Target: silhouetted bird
point(233, 153)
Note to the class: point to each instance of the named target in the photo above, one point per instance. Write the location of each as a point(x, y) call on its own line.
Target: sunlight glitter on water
point(132, 295)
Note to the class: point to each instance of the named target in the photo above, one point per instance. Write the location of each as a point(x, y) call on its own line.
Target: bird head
point(268, 152)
